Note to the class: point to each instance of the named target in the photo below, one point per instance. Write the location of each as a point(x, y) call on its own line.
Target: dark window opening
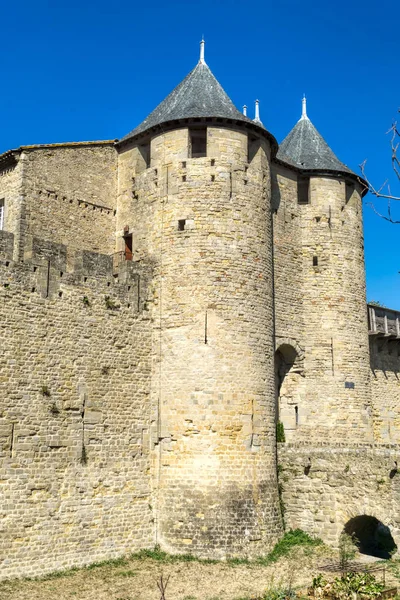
point(349, 191)
point(128, 246)
point(198, 142)
point(296, 412)
point(181, 224)
point(144, 150)
point(315, 261)
point(253, 145)
point(303, 190)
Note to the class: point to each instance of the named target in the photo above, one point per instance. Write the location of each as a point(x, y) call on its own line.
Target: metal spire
point(202, 44)
point(304, 108)
point(257, 113)
point(245, 110)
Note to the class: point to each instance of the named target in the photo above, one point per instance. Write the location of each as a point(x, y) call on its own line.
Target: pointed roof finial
point(245, 110)
point(202, 44)
point(304, 107)
point(257, 113)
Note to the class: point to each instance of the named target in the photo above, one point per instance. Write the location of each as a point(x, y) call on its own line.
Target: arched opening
point(374, 538)
point(288, 387)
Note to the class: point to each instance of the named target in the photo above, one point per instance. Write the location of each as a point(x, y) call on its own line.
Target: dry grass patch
point(293, 562)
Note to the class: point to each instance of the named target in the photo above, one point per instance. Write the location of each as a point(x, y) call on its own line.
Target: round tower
point(335, 402)
point(195, 196)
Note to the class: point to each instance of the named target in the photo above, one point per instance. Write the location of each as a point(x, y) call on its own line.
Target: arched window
point(288, 384)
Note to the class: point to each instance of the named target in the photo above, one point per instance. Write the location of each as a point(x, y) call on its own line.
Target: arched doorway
point(374, 538)
point(288, 388)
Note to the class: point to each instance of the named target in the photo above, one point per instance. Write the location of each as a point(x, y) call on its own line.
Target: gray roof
point(198, 95)
point(307, 149)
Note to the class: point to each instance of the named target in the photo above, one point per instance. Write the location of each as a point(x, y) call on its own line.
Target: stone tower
point(334, 402)
point(194, 199)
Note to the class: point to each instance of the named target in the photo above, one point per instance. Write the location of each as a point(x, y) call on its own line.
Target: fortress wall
point(70, 197)
point(74, 415)
point(10, 192)
point(213, 387)
point(385, 389)
point(337, 402)
point(324, 486)
point(289, 322)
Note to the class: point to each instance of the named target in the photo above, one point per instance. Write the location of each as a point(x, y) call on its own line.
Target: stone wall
point(321, 315)
point(288, 263)
point(75, 412)
point(204, 224)
point(69, 196)
point(11, 193)
point(324, 486)
point(385, 389)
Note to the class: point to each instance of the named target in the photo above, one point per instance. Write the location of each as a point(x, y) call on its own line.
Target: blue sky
point(85, 70)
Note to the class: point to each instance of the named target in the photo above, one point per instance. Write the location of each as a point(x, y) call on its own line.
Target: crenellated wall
point(68, 195)
point(139, 398)
point(75, 367)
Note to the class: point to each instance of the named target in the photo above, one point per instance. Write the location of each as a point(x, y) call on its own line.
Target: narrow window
point(144, 150)
point(198, 142)
point(296, 412)
point(181, 224)
point(2, 213)
point(315, 261)
point(253, 145)
point(128, 246)
point(349, 190)
point(303, 190)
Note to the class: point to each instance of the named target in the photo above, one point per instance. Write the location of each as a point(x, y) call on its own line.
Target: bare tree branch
point(384, 190)
point(388, 218)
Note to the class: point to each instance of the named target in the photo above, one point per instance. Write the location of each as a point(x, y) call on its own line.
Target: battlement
point(45, 271)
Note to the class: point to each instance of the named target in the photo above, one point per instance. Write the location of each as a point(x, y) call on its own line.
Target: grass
point(126, 573)
point(160, 556)
point(291, 539)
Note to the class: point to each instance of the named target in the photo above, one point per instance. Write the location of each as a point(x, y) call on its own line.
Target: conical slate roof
point(198, 95)
point(305, 147)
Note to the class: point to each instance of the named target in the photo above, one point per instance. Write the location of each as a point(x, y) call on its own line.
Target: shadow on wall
point(288, 387)
point(374, 538)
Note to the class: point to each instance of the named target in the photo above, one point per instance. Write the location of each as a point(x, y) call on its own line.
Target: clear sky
point(85, 70)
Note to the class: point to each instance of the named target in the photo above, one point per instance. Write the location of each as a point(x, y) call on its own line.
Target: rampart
point(384, 335)
point(75, 414)
point(323, 486)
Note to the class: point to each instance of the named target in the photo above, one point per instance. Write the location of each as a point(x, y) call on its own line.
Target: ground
point(135, 578)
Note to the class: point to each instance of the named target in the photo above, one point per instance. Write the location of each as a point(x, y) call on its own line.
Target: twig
point(162, 586)
point(384, 191)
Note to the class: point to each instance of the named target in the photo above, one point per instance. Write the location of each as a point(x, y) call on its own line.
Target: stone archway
point(289, 383)
point(373, 537)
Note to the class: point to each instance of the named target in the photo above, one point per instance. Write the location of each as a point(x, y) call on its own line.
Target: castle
point(169, 301)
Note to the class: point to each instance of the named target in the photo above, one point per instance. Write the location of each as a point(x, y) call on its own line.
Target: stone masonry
point(166, 301)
